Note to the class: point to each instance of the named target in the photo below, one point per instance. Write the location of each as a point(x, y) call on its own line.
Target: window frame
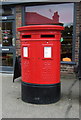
point(74, 25)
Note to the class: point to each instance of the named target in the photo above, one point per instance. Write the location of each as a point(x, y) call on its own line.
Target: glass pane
point(7, 59)
point(66, 44)
point(7, 33)
point(49, 14)
point(7, 11)
point(54, 14)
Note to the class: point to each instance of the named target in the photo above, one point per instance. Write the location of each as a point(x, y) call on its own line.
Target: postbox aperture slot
point(47, 52)
point(47, 36)
point(26, 36)
point(25, 52)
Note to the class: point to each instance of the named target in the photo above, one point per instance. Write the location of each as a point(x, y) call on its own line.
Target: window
point(7, 33)
point(6, 10)
point(66, 45)
point(7, 59)
point(54, 14)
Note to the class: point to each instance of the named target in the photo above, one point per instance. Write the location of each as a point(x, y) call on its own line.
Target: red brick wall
point(18, 24)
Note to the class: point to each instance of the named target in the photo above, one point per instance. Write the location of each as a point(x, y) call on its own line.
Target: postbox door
point(41, 62)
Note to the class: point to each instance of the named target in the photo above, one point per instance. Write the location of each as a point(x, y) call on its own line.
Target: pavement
point(14, 107)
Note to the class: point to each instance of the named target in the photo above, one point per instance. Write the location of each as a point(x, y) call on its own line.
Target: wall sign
point(5, 49)
point(4, 18)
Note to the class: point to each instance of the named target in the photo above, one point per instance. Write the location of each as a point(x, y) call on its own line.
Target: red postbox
point(40, 61)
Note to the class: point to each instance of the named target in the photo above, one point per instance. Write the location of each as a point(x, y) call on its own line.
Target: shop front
point(8, 39)
point(40, 13)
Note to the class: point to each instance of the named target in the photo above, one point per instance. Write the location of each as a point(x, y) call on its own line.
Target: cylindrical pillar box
point(40, 61)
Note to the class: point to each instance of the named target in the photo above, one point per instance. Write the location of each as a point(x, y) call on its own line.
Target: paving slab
point(14, 107)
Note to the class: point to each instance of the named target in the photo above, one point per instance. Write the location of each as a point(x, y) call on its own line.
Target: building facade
point(15, 15)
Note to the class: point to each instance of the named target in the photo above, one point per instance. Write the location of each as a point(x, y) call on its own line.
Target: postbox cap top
point(40, 27)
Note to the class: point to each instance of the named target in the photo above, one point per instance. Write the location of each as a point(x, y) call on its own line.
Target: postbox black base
point(40, 94)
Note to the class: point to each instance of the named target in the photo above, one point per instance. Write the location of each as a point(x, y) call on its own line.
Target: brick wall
point(80, 17)
point(67, 69)
point(80, 13)
point(78, 22)
point(18, 24)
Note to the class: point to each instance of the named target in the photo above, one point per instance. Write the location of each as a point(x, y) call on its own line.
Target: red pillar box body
point(40, 61)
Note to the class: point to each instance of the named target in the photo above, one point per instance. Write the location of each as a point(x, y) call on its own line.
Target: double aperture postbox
point(40, 61)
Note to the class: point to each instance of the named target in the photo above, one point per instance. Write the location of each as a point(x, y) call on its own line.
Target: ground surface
point(14, 107)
